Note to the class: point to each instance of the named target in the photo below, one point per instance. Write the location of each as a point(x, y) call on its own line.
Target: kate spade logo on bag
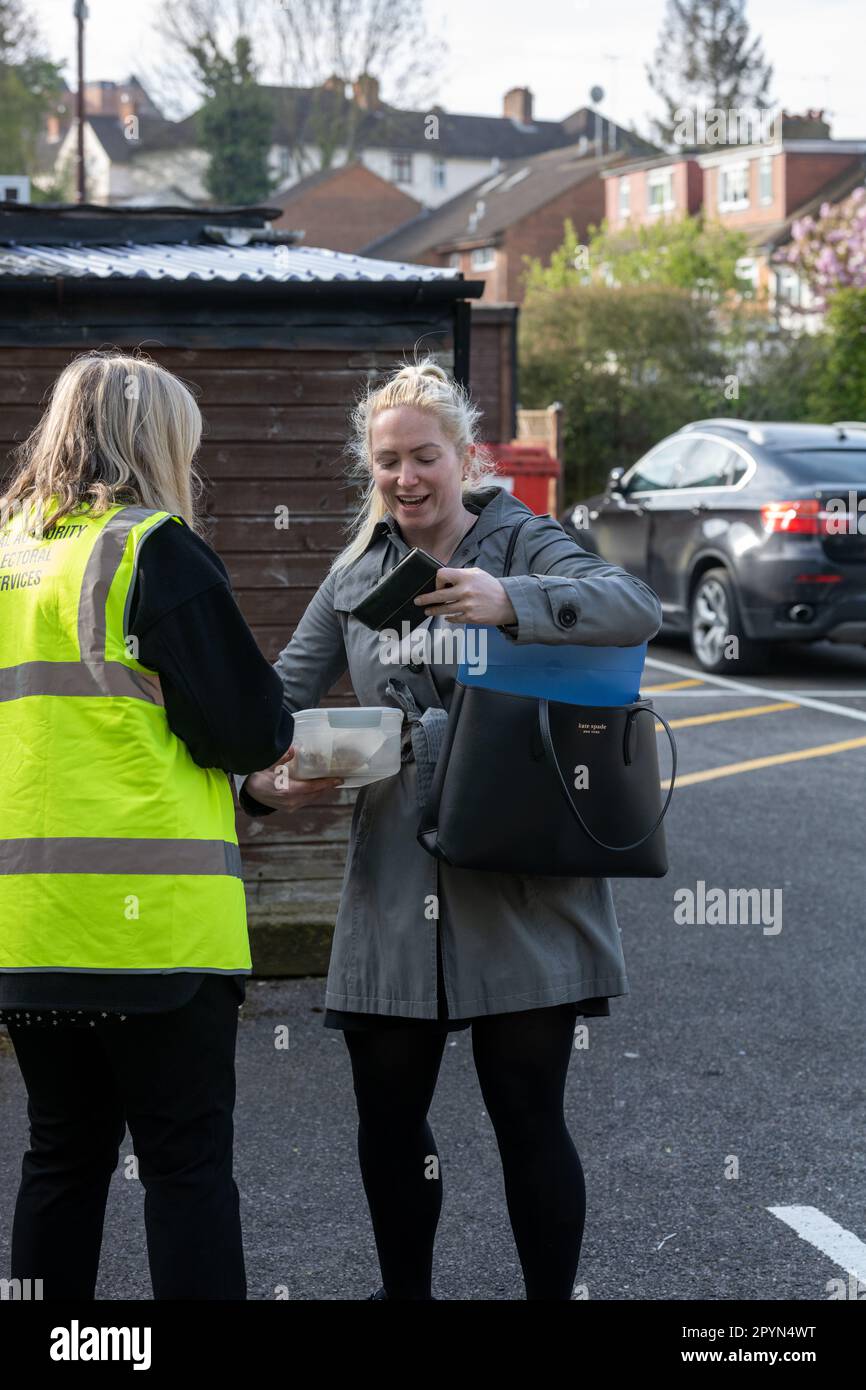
point(590, 728)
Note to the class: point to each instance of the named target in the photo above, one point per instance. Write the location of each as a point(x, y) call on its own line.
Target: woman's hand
point(468, 596)
point(274, 787)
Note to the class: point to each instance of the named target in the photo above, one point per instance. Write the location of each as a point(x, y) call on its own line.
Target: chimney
point(366, 92)
point(517, 103)
point(127, 104)
point(810, 126)
point(100, 99)
point(335, 83)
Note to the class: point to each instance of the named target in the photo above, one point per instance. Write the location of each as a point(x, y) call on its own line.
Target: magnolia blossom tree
point(829, 252)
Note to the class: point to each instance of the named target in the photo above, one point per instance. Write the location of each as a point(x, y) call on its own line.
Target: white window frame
point(765, 168)
point(660, 178)
point(398, 160)
point(624, 200)
point(482, 258)
point(729, 171)
point(438, 176)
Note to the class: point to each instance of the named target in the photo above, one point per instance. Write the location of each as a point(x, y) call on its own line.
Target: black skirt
point(597, 1007)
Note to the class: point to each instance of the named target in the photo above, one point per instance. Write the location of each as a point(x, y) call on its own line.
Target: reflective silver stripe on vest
point(99, 573)
point(74, 678)
point(108, 856)
point(93, 675)
point(111, 970)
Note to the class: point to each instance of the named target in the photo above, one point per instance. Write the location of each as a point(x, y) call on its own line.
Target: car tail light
point(801, 517)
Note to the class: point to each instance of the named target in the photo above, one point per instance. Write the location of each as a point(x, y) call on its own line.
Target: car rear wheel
point(714, 621)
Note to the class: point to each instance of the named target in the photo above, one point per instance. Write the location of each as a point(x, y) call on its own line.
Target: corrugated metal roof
point(186, 261)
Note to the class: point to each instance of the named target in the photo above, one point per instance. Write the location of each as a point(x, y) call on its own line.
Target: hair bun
point(429, 368)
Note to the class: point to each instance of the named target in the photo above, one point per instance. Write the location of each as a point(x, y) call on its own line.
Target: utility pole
point(80, 12)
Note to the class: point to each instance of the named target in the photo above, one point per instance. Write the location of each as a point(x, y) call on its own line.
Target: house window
point(747, 271)
point(788, 288)
point(765, 179)
point(439, 173)
point(284, 162)
point(660, 183)
point(455, 260)
point(401, 168)
point(483, 258)
point(624, 199)
point(10, 195)
point(734, 186)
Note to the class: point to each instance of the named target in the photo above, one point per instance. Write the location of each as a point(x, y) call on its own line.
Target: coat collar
point(496, 509)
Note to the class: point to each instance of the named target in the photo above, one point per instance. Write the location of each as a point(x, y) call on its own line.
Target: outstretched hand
point(275, 787)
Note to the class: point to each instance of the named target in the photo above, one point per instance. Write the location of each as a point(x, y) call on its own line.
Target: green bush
point(838, 390)
point(629, 365)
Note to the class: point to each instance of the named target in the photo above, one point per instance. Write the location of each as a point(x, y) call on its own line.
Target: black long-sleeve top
point(222, 697)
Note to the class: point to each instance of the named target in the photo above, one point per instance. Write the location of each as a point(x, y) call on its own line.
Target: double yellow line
point(750, 764)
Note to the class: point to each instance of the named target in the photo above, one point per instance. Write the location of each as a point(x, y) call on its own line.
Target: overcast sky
point(567, 47)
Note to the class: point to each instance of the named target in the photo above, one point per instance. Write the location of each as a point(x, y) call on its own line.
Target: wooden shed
point(275, 339)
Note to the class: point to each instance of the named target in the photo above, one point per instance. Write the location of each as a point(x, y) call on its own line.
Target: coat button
point(416, 667)
point(567, 616)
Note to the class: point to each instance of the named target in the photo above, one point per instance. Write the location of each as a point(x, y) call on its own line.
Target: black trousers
point(171, 1078)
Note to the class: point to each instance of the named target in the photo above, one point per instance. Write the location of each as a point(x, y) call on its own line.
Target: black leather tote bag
point(535, 786)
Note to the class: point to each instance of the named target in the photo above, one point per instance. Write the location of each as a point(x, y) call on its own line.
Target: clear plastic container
point(359, 745)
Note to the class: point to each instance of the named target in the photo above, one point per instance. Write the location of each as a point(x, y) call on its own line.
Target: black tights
point(521, 1060)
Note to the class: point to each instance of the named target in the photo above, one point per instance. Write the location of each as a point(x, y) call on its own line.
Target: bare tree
point(186, 29)
point(324, 46)
point(313, 51)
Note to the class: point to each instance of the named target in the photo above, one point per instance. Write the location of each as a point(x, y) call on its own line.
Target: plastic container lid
point(363, 717)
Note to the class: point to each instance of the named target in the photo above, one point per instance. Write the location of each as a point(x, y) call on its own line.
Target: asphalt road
point(727, 1084)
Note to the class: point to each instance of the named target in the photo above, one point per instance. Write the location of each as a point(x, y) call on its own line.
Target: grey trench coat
point(509, 941)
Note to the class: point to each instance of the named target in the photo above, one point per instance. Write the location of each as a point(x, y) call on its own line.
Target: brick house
point(760, 189)
point(133, 155)
point(662, 185)
point(486, 231)
point(344, 208)
point(132, 152)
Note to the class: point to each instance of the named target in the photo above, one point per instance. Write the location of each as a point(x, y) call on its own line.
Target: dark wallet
point(389, 603)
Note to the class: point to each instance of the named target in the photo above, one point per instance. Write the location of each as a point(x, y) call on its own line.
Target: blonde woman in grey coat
point(516, 958)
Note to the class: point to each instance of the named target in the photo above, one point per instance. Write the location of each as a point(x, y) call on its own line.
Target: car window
point(826, 465)
point(657, 470)
point(711, 464)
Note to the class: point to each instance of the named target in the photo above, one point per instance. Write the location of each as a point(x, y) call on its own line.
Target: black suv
point(746, 530)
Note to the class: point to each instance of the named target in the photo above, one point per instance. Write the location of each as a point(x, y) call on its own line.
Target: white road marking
point(723, 683)
point(720, 694)
point(843, 1247)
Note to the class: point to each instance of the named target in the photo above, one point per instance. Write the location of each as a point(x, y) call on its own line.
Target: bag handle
point(550, 751)
point(512, 542)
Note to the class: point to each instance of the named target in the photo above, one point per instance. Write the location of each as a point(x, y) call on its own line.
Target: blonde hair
point(118, 429)
point(424, 385)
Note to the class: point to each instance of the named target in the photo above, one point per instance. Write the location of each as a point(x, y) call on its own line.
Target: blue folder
point(575, 674)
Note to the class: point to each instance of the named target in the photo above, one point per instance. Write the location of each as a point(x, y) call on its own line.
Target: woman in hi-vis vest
point(129, 685)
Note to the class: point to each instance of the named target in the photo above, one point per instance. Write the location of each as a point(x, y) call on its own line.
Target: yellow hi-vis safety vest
point(118, 853)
